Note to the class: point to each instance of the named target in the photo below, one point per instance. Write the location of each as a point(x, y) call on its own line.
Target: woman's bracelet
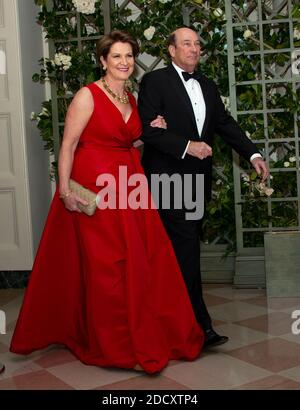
point(65, 194)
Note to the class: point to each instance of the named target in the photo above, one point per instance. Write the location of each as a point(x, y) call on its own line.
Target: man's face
point(187, 50)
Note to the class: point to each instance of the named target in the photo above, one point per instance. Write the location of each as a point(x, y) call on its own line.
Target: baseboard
point(14, 279)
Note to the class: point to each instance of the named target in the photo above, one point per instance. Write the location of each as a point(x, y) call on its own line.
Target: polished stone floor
point(262, 353)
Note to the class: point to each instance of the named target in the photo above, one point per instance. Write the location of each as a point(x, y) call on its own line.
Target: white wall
point(31, 50)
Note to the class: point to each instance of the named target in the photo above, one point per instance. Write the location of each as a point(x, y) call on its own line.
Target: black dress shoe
point(213, 339)
point(2, 368)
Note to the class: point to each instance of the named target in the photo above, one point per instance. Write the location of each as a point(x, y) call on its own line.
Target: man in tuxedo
point(194, 112)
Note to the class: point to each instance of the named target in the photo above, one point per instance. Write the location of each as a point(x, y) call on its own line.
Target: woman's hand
point(71, 202)
point(159, 122)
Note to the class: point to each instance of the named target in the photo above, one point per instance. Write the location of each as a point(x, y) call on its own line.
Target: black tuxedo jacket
point(163, 93)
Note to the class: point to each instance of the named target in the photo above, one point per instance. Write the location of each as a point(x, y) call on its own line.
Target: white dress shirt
point(195, 94)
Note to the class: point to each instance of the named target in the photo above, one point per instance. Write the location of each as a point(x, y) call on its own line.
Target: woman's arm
point(78, 115)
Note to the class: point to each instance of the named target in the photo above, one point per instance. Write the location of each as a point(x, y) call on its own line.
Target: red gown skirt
point(108, 287)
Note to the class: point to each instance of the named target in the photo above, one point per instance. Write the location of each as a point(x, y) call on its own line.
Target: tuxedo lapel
point(208, 102)
point(182, 95)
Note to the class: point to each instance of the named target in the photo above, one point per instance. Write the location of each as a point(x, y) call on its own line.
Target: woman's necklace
point(123, 99)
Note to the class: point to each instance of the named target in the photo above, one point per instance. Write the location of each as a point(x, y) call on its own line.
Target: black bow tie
point(188, 76)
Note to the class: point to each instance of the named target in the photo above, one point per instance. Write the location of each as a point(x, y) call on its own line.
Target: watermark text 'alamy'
point(176, 191)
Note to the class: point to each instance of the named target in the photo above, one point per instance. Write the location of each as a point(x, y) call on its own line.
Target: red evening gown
point(108, 287)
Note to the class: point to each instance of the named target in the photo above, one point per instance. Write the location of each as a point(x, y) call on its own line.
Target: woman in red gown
point(106, 286)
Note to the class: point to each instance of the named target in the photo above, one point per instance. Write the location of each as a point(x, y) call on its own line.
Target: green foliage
point(44, 124)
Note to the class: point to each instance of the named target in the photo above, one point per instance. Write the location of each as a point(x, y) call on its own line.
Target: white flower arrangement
point(296, 62)
point(245, 178)
point(72, 21)
point(84, 6)
point(292, 159)
point(44, 112)
point(215, 194)
point(226, 102)
point(149, 32)
point(37, 117)
point(62, 60)
point(90, 29)
point(296, 33)
point(218, 12)
point(286, 164)
point(247, 34)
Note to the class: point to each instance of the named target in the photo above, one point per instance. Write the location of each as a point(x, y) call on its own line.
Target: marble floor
point(262, 352)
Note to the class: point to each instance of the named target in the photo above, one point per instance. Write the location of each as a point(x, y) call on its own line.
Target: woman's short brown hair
point(106, 41)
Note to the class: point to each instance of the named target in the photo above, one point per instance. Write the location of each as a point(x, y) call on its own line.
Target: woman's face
point(120, 61)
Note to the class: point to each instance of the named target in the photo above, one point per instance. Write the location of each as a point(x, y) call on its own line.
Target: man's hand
point(260, 167)
point(159, 122)
point(199, 149)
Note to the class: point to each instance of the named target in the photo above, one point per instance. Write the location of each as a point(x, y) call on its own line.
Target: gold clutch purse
point(85, 194)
